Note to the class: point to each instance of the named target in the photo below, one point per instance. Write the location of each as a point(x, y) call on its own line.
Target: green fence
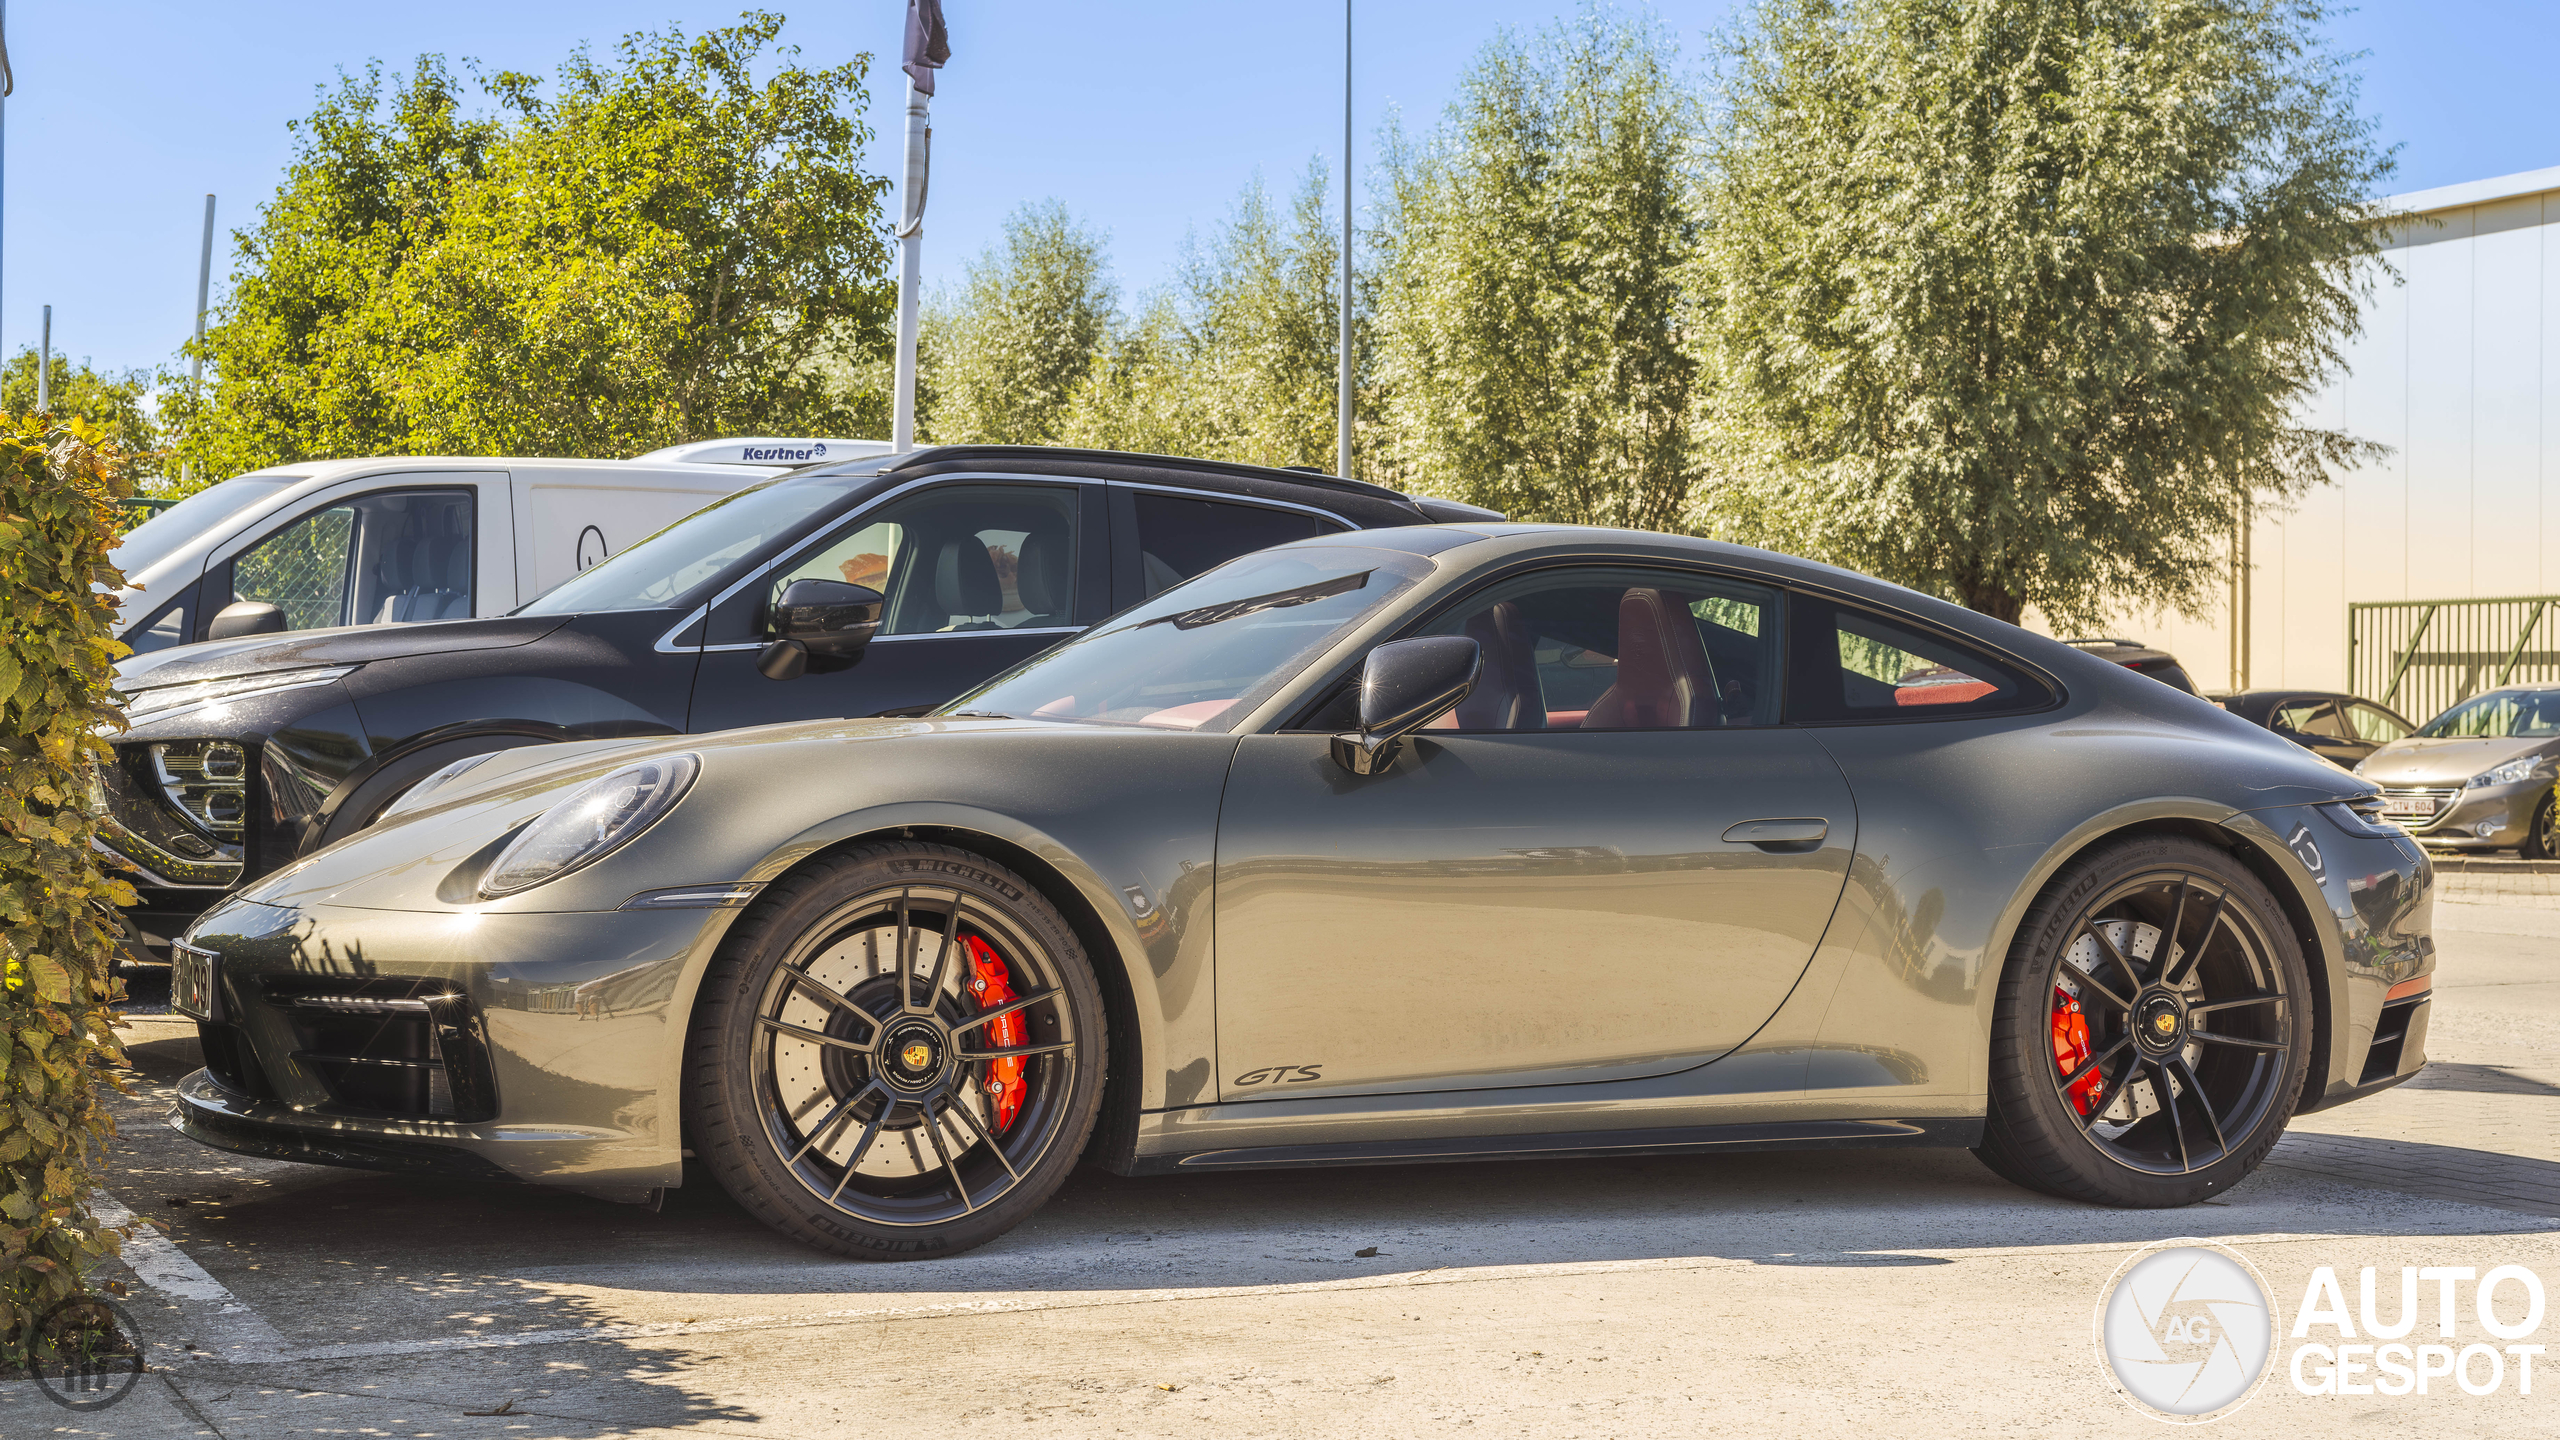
point(2421, 656)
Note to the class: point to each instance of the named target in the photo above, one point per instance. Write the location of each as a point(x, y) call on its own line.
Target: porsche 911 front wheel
point(2153, 1029)
point(898, 1053)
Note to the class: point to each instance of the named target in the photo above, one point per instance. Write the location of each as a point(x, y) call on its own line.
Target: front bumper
point(2378, 893)
point(532, 1047)
point(2495, 817)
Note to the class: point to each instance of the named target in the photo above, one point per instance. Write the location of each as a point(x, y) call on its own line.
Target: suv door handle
point(1774, 834)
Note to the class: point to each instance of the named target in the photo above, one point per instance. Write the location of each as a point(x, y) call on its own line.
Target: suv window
point(975, 557)
point(1854, 664)
point(398, 557)
point(1618, 649)
point(1179, 537)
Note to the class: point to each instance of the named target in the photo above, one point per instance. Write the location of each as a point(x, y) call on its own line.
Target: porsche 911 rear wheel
point(2152, 1032)
point(898, 1053)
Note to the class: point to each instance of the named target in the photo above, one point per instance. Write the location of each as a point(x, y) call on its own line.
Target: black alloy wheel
point(898, 1053)
point(2153, 1029)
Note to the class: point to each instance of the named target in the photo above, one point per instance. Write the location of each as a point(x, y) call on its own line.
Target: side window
point(301, 569)
point(2375, 724)
point(959, 559)
point(2312, 717)
point(1179, 537)
point(1619, 649)
point(399, 557)
point(1855, 665)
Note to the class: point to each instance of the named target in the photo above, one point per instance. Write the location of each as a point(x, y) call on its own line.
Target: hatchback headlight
point(595, 820)
point(2514, 772)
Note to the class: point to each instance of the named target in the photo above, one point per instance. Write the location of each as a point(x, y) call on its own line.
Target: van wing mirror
point(246, 617)
point(1405, 685)
point(819, 625)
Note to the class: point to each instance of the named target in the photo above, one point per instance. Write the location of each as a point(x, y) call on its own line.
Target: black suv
point(882, 586)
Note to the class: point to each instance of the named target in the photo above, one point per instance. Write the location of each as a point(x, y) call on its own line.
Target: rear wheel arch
point(2228, 835)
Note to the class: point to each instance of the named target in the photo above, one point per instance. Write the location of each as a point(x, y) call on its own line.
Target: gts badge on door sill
point(1280, 1075)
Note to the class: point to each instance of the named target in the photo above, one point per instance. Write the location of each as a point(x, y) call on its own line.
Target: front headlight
point(2514, 772)
point(594, 821)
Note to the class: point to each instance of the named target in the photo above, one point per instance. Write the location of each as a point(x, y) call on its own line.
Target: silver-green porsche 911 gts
point(1446, 843)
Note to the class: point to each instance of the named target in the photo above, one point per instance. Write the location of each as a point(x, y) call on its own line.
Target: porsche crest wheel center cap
point(2162, 1024)
point(915, 1054)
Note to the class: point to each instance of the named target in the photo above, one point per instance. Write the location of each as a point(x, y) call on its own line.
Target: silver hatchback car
point(2479, 776)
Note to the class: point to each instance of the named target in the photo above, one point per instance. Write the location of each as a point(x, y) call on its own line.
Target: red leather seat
point(1665, 680)
point(1507, 695)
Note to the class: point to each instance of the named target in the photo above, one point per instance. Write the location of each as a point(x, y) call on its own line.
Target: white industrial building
point(2458, 371)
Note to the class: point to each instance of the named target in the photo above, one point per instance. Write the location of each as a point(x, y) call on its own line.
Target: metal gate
point(2421, 656)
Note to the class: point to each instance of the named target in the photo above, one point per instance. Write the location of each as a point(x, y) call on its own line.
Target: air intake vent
point(388, 1046)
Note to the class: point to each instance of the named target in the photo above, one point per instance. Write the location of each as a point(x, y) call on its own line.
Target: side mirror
point(1405, 685)
point(246, 617)
point(819, 625)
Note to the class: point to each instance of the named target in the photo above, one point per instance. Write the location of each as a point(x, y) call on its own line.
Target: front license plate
point(2419, 806)
point(191, 982)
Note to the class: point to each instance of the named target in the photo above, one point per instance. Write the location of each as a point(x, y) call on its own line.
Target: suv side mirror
point(246, 617)
point(1405, 685)
point(819, 625)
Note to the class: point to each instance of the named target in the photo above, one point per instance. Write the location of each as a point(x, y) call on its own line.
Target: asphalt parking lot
point(1835, 1293)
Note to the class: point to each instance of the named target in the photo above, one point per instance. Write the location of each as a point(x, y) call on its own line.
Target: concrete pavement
point(1831, 1293)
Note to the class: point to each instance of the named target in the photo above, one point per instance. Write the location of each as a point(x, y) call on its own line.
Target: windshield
point(1203, 654)
point(2500, 716)
point(159, 537)
point(653, 573)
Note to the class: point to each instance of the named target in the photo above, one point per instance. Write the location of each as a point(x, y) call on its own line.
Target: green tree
point(2013, 300)
point(1023, 333)
point(1237, 359)
point(117, 404)
point(1531, 253)
point(646, 251)
point(302, 360)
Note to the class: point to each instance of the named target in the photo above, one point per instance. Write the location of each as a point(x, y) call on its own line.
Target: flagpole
point(1342, 423)
point(902, 427)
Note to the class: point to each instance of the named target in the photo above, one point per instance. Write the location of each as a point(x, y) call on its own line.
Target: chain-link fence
point(301, 569)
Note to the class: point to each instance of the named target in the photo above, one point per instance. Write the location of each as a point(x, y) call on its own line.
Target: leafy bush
point(59, 488)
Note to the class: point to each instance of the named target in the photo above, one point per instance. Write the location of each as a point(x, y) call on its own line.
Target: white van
point(400, 539)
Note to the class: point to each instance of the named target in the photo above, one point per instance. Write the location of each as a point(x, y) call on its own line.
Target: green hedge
point(60, 488)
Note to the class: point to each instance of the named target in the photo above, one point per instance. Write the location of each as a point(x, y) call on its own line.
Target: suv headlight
point(167, 702)
point(2514, 772)
point(595, 820)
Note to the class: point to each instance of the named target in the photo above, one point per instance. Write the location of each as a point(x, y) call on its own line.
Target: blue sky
point(1146, 117)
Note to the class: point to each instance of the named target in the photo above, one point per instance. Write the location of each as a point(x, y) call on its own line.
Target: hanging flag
point(928, 45)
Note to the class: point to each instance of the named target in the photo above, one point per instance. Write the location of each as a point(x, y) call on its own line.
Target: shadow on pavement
point(2479, 1079)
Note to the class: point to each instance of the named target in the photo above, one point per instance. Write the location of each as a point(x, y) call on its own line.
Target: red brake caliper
point(993, 985)
point(2071, 1049)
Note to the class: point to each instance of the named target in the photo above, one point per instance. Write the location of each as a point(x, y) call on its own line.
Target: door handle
point(1778, 834)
